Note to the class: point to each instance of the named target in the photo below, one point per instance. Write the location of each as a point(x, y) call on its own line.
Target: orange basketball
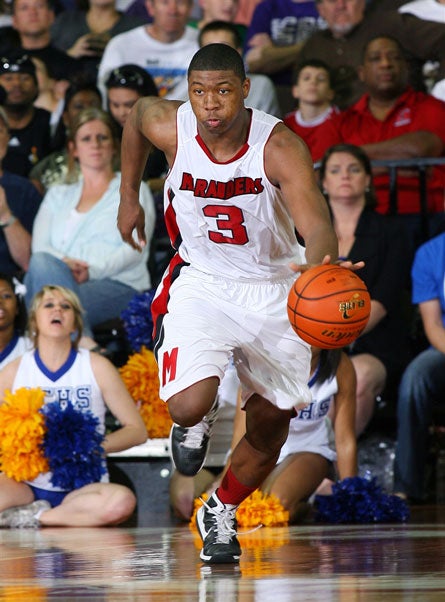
point(328, 306)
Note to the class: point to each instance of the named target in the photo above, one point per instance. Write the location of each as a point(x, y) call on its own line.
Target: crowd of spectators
point(359, 80)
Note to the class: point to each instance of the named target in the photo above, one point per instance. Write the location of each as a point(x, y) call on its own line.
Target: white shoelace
point(223, 522)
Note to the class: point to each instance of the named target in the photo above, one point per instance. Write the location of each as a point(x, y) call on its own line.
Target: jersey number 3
point(227, 218)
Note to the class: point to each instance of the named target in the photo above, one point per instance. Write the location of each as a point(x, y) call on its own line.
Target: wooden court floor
point(311, 562)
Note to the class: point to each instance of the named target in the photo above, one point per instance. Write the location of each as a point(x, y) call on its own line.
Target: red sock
point(231, 491)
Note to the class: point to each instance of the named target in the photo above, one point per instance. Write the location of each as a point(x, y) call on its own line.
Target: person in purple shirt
point(274, 39)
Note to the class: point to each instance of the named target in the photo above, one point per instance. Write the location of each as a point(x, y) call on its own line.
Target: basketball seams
point(315, 317)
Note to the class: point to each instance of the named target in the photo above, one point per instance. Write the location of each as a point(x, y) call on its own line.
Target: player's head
point(12, 303)
point(47, 294)
point(218, 57)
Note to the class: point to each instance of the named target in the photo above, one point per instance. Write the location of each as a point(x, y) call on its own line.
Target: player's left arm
point(289, 166)
point(121, 405)
point(344, 419)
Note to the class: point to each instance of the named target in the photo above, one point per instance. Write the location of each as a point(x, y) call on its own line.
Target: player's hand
point(303, 267)
point(127, 220)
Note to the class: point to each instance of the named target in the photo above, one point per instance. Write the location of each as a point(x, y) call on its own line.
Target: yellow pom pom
point(259, 509)
point(22, 428)
point(140, 375)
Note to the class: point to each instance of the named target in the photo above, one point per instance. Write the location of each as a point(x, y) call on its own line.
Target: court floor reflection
point(309, 562)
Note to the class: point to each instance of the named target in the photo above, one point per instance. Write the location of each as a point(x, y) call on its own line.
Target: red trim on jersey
point(160, 302)
point(243, 150)
point(170, 221)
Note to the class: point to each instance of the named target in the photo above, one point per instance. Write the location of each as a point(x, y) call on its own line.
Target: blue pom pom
point(73, 446)
point(359, 500)
point(138, 322)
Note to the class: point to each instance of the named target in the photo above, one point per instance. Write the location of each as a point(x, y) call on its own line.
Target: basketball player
point(239, 184)
point(88, 381)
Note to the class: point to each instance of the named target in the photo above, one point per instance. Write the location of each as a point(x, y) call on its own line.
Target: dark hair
point(218, 57)
point(379, 37)
point(317, 64)
point(78, 84)
point(132, 77)
point(222, 26)
point(327, 364)
point(21, 318)
point(359, 154)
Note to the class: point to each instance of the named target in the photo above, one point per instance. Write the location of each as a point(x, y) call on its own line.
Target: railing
point(421, 164)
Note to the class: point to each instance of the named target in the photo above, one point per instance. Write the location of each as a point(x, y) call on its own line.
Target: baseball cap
point(17, 63)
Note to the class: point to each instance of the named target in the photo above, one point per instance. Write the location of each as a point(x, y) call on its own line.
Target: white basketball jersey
point(74, 381)
point(311, 429)
point(227, 218)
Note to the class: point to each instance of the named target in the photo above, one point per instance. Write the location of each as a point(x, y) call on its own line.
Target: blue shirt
point(428, 272)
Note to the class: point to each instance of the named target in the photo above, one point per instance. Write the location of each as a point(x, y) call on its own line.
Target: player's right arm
point(152, 122)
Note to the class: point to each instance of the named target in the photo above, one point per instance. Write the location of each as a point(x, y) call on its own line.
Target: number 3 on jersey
point(227, 218)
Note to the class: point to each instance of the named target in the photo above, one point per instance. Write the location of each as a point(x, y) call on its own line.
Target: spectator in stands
point(75, 240)
point(83, 34)
point(51, 93)
point(392, 121)
point(32, 20)
point(314, 92)
point(29, 126)
point(245, 10)
point(262, 94)
point(379, 355)
point(274, 39)
point(53, 169)
point(219, 10)
point(431, 10)
point(19, 203)
point(13, 341)
point(350, 29)
point(164, 48)
point(422, 387)
point(125, 85)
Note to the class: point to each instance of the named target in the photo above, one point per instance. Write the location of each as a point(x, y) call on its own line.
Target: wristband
point(10, 221)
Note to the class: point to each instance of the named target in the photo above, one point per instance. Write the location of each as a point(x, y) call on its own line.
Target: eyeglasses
point(123, 77)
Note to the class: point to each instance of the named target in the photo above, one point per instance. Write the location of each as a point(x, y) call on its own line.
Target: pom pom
point(73, 446)
point(22, 429)
point(138, 322)
point(140, 375)
point(259, 509)
point(359, 500)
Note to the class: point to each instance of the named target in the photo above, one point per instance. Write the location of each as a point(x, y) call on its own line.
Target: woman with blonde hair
point(76, 387)
point(76, 242)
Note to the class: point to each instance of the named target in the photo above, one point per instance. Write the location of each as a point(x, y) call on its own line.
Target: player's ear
point(246, 87)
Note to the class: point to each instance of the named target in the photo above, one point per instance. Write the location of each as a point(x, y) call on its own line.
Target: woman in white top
point(76, 242)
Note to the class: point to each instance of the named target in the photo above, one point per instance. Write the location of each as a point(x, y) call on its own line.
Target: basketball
point(328, 306)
